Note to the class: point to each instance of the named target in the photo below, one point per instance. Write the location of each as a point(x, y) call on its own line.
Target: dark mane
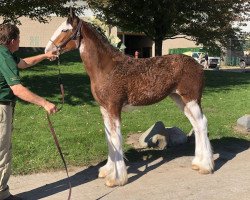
point(97, 32)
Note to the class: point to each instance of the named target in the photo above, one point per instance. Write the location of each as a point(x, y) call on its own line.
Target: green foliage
point(79, 124)
point(12, 10)
point(207, 22)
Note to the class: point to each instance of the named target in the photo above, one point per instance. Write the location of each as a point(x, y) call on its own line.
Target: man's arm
point(25, 94)
point(30, 61)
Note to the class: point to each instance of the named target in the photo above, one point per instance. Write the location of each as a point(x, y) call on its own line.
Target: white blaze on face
point(63, 26)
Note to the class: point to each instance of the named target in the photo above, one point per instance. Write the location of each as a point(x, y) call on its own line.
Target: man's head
point(9, 36)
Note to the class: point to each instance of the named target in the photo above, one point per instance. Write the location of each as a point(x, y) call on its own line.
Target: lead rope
point(52, 130)
point(60, 83)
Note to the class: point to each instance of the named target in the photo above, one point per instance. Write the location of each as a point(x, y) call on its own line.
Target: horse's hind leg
point(203, 160)
point(115, 170)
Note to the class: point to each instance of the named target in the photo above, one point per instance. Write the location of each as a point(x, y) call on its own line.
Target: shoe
point(12, 197)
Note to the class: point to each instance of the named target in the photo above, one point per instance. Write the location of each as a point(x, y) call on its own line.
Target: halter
point(76, 35)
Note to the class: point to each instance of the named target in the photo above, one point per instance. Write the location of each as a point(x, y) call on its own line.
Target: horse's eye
point(65, 30)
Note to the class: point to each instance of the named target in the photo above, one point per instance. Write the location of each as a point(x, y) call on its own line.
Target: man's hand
point(50, 107)
point(51, 55)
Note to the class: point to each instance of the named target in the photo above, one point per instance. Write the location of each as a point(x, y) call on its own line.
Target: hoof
point(102, 174)
point(195, 167)
point(110, 183)
point(205, 171)
point(113, 183)
point(203, 167)
point(201, 170)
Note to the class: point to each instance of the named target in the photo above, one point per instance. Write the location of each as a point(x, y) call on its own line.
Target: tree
point(12, 10)
point(207, 22)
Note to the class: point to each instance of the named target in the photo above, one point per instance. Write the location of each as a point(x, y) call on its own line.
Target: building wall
point(176, 43)
point(35, 34)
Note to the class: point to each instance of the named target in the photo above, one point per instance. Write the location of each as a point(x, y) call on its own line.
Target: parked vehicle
point(213, 62)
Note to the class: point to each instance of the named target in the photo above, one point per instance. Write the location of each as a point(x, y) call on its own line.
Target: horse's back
point(152, 79)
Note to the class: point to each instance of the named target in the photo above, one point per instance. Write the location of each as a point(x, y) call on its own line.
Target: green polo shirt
point(9, 74)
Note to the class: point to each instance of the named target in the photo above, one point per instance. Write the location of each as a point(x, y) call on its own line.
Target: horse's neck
point(98, 55)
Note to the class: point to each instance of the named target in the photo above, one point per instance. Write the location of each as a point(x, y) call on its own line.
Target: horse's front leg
point(115, 170)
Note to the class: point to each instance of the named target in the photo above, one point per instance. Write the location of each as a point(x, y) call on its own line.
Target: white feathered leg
point(203, 160)
point(179, 102)
point(115, 170)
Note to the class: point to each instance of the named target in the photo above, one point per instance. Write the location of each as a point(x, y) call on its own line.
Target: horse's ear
point(71, 16)
point(71, 12)
point(73, 19)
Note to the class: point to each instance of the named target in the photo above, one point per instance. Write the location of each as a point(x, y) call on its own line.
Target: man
point(10, 88)
point(206, 61)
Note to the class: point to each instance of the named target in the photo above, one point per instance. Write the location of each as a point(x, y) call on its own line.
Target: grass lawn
point(79, 124)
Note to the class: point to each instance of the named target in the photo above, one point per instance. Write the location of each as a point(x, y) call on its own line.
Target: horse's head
point(67, 36)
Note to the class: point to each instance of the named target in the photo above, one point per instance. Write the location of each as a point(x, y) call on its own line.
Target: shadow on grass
point(222, 80)
point(227, 148)
point(76, 87)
